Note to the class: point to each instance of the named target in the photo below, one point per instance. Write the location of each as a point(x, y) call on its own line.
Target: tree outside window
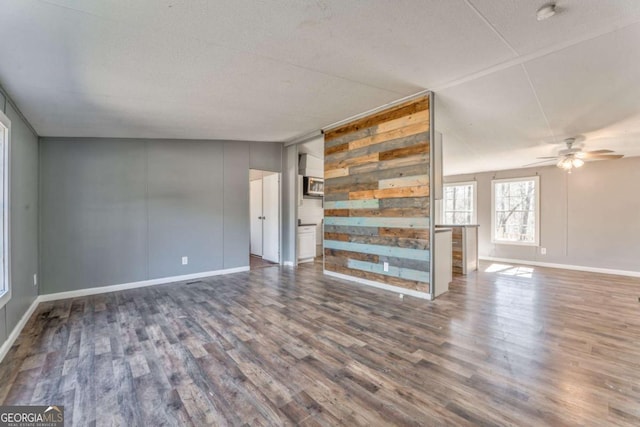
point(516, 210)
point(459, 203)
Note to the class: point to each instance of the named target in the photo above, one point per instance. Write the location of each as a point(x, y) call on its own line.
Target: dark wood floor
point(278, 346)
point(258, 262)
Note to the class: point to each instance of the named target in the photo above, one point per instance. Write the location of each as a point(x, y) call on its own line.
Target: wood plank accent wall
point(377, 181)
point(457, 235)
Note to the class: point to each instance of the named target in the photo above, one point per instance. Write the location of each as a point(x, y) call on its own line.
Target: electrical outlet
point(543, 251)
point(385, 266)
point(185, 260)
point(35, 280)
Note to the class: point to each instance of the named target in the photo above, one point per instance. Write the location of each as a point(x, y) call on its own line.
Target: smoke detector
point(546, 11)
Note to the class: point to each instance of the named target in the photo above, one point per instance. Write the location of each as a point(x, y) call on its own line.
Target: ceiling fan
point(571, 158)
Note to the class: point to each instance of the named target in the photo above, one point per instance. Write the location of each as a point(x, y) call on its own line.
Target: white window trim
point(536, 241)
point(474, 184)
point(6, 296)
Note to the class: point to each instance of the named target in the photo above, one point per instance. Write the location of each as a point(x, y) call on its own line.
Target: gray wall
point(590, 217)
point(289, 203)
point(124, 210)
point(24, 217)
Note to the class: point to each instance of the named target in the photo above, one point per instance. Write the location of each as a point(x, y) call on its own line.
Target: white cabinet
point(306, 243)
point(442, 275)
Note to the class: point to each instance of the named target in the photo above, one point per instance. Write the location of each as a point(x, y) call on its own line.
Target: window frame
point(474, 207)
point(536, 180)
point(5, 294)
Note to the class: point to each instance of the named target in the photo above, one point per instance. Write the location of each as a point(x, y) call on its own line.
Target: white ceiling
point(507, 86)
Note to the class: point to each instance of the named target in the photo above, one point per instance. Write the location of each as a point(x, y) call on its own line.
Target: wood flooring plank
point(284, 346)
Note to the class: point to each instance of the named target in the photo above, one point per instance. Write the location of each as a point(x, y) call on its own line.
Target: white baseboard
point(141, 284)
point(396, 289)
point(16, 331)
point(288, 263)
point(565, 266)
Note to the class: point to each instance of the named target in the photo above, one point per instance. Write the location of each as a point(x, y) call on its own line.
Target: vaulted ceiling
point(508, 87)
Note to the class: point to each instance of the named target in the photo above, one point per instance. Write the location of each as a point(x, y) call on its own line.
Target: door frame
point(280, 224)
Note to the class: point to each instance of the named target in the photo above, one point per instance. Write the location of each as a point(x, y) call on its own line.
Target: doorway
point(264, 205)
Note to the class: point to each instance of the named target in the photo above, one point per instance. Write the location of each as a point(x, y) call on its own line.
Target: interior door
point(271, 217)
point(255, 209)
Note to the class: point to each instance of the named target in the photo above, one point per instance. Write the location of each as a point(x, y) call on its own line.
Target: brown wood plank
point(401, 110)
point(345, 187)
point(418, 159)
point(379, 138)
point(394, 281)
point(336, 212)
point(404, 152)
point(409, 233)
point(351, 255)
point(341, 237)
point(407, 181)
point(397, 242)
point(387, 193)
point(417, 118)
point(336, 149)
point(407, 141)
point(374, 177)
point(334, 173)
point(367, 158)
point(389, 212)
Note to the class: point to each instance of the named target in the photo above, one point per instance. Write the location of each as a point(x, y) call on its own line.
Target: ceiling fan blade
point(590, 154)
point(541, 162)
point(605, 157)
point(549, 157)
point(599, 152)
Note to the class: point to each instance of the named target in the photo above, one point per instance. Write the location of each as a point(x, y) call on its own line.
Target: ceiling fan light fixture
point(569, 163)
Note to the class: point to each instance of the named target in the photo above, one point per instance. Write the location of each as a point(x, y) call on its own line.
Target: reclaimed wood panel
point(377, 196)
point(407, 141)
point(353, 204)
point(388, 193)
point(387, 136)
point(403, 273)
point(408, 253)
point(407, 181)
point(401, 242)
point(401, 110)
point(399, 222)
point(456, 249)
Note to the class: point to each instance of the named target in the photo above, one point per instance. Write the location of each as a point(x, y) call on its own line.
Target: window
point(515, 213)
point(5, 283)
point(459, 203)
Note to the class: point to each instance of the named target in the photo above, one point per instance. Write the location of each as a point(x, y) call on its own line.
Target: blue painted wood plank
point(353, 204)
point(402, 273)
point(418, 254)
point(401, 222)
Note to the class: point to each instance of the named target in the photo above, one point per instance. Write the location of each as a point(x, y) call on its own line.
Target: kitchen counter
point(464, 246)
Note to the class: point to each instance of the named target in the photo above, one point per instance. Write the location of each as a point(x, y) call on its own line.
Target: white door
point(271, 217)
point(255, 208)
